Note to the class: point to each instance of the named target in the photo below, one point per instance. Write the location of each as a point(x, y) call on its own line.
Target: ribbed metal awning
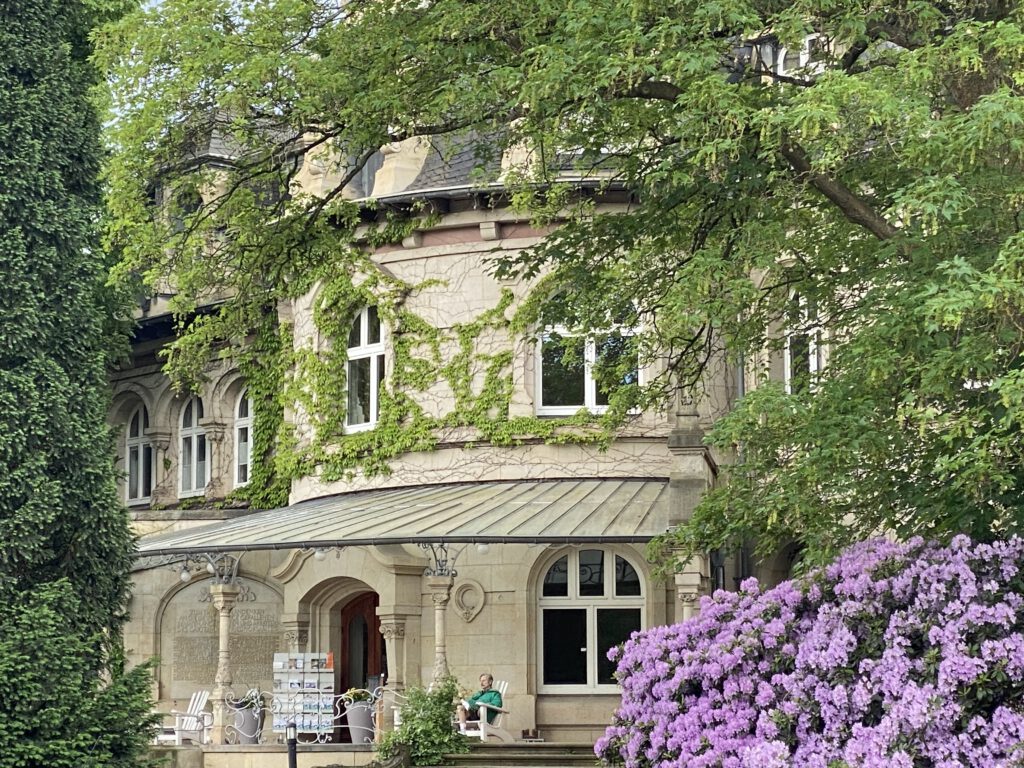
point(541, 511)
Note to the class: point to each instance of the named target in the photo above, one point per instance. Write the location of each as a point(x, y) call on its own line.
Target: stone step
point(526, 755)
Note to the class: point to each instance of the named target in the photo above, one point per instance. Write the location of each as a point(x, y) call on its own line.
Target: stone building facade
point(547, 537)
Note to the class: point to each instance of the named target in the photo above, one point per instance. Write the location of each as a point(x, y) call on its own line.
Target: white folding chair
point(194, 724)
point(481, 729)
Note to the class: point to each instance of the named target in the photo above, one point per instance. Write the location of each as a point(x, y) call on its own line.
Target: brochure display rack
point(304, 692)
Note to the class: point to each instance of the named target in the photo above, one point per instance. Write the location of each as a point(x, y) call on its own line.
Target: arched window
point(193, 449)
point(139, 458)
point(365, 370)
point(243, 439)
point(590, 600)
point(567, 370)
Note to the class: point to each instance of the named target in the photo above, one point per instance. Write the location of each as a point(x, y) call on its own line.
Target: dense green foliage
point(65, 545)
point(880, 178)
point(426, 726)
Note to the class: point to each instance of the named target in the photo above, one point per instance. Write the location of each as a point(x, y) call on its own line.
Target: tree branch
point(855, 209)
point(654, 89)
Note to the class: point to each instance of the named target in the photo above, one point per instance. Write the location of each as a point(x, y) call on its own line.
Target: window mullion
point(591, 646)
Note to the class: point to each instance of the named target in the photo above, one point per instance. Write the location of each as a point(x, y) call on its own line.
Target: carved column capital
point(296, 637)
point(224, 596)
point(440, 589)
point(214, 430)
point(392, 630)
point(159, 439)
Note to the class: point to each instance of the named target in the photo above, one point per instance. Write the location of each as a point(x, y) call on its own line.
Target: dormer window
point(365, 370)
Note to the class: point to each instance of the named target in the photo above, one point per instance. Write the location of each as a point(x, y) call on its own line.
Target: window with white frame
point(807, 60)
point(365, 370)
point(243, 439)
point(192, 458)
point(575, 371)
point(803, 353)
point(138, 458)
point(590, 600)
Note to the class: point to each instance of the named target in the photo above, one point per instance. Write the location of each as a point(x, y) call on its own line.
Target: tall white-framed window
point(193, 456)
point(803, 353)
point(589, 600)
point(807, 60)
point(567, 367)
point(138, 458)
point(365, 370)
point(243, 439)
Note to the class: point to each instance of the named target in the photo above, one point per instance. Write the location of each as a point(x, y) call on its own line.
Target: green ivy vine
point(312, 382)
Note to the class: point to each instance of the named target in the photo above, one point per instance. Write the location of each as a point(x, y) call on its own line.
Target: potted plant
point(248, 716)
point(359, 714)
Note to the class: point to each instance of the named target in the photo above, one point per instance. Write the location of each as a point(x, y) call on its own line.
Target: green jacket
point(490, 696)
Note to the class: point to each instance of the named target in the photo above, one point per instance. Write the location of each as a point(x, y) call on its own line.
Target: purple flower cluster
point(897, 655)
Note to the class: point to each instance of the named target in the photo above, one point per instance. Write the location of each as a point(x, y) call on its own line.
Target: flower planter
point(359, 716)
point(247, 725)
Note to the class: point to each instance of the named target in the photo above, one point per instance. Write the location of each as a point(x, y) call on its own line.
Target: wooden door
point(362, 656)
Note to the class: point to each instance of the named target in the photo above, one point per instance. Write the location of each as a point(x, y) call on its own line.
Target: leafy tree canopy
point(879, 177)
point(65, 544)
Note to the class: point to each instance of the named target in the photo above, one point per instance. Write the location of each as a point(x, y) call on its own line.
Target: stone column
point(691, 583)
point(165, 488)
point(392, 627)
point(440, 592)
point(224, 597)
point(219, 460)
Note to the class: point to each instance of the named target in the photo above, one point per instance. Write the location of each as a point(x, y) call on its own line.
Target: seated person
point(470, 711)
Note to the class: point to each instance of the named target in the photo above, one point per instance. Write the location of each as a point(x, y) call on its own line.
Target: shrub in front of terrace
point(897, 655)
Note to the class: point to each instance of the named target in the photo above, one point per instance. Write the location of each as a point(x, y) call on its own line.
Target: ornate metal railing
point(319, 715)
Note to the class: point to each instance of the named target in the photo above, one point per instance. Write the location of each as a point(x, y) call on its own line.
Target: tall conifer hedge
point(65, 545)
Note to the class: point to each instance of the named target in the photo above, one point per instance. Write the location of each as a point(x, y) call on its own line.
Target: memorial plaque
point(189, 643)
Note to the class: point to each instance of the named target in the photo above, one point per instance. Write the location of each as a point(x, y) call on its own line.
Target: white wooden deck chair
point(481, 729)
point(194, 724)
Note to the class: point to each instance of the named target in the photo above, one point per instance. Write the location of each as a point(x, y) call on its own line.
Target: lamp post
point(291, 735)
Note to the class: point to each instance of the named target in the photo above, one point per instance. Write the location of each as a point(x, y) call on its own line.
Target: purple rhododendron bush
point(897, 655)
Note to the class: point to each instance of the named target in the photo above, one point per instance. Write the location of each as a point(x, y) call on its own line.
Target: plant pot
point(359, 716)
point(247, 725)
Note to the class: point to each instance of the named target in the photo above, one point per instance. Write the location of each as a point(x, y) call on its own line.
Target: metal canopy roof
point(538, 511)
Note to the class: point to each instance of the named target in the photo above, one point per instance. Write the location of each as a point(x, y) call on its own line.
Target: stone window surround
point(589, 384)
point(591, 605)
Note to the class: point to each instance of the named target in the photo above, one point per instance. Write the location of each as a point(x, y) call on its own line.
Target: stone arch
point(223, 394)
point(317, 588)
point(779, 567)
point(127, 398)
point(652, 598)
point(185, 633)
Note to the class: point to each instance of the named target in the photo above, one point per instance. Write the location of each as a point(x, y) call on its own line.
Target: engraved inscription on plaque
point(195, 621)
point(189, 642)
